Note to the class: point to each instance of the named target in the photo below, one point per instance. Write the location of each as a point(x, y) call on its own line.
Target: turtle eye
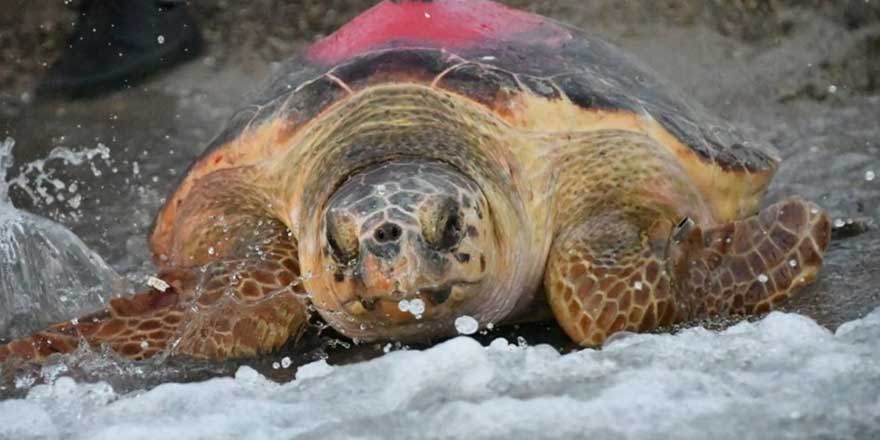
point(342, 237)
point(441, 224)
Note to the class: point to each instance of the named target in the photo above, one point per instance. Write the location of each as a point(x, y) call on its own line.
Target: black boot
point(116, 43)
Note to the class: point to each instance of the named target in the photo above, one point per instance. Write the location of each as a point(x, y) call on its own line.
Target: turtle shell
point(533, 72)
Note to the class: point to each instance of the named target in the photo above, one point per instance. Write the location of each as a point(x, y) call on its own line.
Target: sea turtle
point(458, 160)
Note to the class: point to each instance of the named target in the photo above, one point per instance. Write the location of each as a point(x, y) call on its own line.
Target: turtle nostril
point(438, 294)
point(387, 232)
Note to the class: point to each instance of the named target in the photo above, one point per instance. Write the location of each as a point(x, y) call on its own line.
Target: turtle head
point(402, 244)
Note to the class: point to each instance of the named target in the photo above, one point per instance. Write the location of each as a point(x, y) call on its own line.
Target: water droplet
point(211, 250)
point(286, 362)
point(403, 305)
point(160, 39)
point(417, 307)
point(763, 278)
point(839, 223)
point(427, 15)
point(832, 88)
point(792, 263)
point(466, 325)
point(276, 365)
point(145, 345)
point(870, 175)
point(75, 202)
point(24, 381)
point(638, 285)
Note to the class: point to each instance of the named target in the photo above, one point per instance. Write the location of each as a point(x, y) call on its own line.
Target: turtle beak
point(389, 276)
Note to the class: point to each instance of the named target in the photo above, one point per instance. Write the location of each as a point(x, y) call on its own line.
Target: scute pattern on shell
point(549, 61)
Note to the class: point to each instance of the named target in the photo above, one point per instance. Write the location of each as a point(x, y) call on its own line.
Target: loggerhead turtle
point(439, 159)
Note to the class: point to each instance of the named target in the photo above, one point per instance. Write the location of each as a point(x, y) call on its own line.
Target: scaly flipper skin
point(606, 276)
point(632, 257)
point(236, 307)
point(750, 266)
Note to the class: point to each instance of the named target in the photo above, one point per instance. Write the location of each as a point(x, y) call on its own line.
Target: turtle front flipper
point(236, 307)
point(751, 265)
point(612, 274)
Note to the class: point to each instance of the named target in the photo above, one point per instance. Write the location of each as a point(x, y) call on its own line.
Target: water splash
point(46, 272)
point(42, 184)
point(5, 163)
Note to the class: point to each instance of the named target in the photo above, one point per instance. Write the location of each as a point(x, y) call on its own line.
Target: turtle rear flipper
point(608, 276)
point(224, 309)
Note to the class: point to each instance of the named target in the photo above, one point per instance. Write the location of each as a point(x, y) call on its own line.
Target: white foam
point(781, 377)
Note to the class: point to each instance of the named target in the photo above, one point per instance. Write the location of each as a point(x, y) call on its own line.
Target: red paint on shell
point(438, 23)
